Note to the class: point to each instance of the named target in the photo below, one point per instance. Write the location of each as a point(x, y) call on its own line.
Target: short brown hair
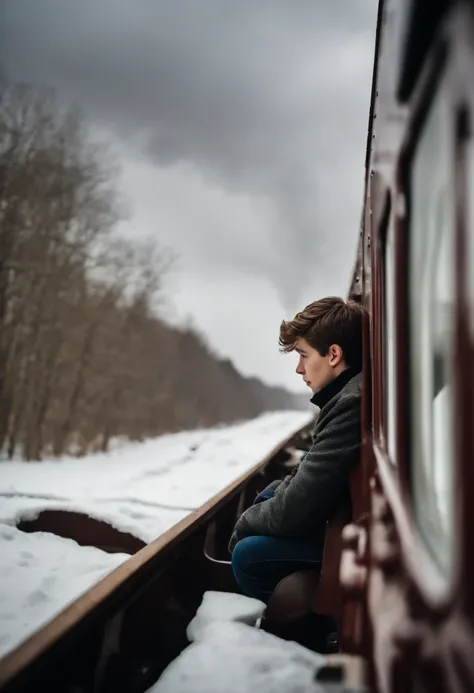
point(330, 320)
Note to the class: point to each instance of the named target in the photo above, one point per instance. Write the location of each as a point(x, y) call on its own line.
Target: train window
point(431, 300)
point(389, 295)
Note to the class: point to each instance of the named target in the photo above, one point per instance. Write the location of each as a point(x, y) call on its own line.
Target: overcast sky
point(240, 126)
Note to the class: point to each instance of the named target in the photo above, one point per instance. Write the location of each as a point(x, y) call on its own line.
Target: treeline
point(83, 355)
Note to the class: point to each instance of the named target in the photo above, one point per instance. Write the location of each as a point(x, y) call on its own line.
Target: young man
point(283, 531)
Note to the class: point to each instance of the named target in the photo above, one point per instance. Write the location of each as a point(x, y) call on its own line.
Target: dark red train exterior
point(410, 563)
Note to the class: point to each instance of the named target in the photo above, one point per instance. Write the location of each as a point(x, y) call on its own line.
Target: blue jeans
point(260, 562)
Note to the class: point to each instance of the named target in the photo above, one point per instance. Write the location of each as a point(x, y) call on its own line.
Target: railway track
point(123, 632)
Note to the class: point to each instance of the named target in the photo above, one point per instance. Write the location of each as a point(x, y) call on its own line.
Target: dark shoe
point(314, 631)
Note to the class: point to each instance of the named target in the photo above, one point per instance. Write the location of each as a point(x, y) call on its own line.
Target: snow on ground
point(236, 658)
point(228, 654)
point(140, 488)
point(39, 574)
point(223, 606)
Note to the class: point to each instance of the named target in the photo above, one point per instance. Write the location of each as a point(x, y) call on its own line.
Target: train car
point(398, 564)
point(407, 565)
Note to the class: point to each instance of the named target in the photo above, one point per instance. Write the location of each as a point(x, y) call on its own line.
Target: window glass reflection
point(431, 294)
point(390, 341)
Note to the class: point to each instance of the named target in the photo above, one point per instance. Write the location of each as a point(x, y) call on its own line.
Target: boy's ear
point(335, 355)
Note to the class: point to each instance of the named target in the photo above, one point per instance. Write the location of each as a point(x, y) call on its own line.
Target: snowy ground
point(142, 489)
point(228, 654)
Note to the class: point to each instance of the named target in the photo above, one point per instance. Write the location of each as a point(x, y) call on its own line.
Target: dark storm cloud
point(269, 97)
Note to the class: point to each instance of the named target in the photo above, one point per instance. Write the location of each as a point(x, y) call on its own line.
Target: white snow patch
point(41, 573)
point(224, 606)
point(236, 658)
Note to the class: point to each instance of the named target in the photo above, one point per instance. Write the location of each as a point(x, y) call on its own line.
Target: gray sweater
point(306, 498)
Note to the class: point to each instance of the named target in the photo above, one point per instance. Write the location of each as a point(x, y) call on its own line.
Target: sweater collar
point(333, 388)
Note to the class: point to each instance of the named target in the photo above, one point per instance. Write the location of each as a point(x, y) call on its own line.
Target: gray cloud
point(265, 97)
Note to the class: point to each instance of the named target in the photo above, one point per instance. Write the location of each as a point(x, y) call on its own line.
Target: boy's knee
point(245, 553)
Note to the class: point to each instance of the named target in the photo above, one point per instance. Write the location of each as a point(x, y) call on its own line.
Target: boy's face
point(318, 371)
